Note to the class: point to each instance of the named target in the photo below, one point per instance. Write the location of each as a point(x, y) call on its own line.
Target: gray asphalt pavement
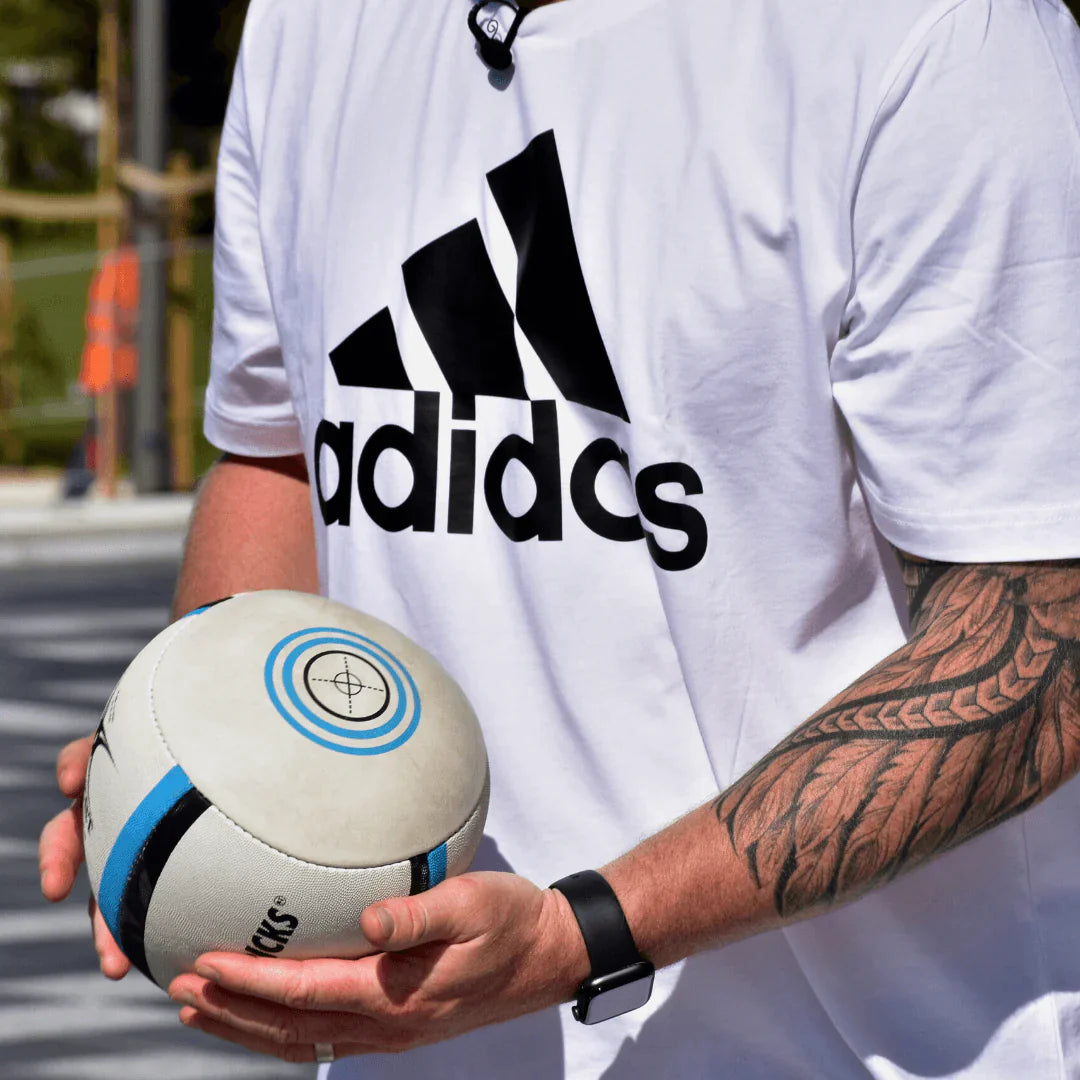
point(66, 634)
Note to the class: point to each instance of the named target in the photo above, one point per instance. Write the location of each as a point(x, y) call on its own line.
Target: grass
point(52, 277)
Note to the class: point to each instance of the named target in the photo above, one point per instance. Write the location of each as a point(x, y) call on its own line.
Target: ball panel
point(461, 845)
point(127, 761)
point(409, 721)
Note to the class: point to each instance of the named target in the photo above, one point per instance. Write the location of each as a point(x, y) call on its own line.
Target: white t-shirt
point(616, 374)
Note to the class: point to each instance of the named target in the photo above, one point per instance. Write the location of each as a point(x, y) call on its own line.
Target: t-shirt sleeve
point(958, 370)
point(249, 409)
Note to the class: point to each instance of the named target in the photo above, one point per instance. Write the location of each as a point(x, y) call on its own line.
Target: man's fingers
point(60, 852)
point(297, 1053)
point(114, 964)
point(325, 985)
point(60, 849)
point(71, 766)
point(267, 1020)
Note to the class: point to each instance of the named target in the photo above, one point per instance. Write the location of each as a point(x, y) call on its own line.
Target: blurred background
point(110, 112)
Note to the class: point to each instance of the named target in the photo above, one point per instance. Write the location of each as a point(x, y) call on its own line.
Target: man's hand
point(60, 852)
point(475, 950)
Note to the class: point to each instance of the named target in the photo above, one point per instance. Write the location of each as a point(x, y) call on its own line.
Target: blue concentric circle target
point(343, 691)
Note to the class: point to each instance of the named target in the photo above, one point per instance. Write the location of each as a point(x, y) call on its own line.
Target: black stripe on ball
point(420, 875)
point(147, 869)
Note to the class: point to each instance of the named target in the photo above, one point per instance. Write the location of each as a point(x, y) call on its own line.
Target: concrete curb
point(143, 529)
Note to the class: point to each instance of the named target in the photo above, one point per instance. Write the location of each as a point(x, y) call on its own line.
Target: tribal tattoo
point(973, 721)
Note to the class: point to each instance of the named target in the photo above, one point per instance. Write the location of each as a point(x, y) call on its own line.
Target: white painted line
point(45, 721)
point(88, 650)
point(61, 923)
point(67, 550)
point(80, 986)
point(194, 1064)
point(13, 778)
point(144, 514)
point(30, 1023)
point(14, 847)
point(87, 1007)
point(83, 691)
point(67, 623)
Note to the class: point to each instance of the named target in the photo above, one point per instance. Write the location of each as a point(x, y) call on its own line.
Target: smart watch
point(621, 979)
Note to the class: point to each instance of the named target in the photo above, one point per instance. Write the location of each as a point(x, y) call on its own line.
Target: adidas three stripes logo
point(469, 326)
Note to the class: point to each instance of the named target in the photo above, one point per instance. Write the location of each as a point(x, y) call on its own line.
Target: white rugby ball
point(266, 768)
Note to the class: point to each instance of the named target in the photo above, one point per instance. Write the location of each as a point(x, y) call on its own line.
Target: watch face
point(614, 994)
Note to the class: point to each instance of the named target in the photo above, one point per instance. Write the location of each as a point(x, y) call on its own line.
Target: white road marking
point(21, 552)
point(15, 847)
point(45, 721)
point(82, 690)
point(89, 650)
point(193, 1065)
point(87, 1006)
point(13, 778)
point(55, 924)
point(81, 621)
point(102, 1007)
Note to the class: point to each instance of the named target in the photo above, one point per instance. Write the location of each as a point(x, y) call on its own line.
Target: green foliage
point(52, 29)
point(42, 375)
point(51, 311)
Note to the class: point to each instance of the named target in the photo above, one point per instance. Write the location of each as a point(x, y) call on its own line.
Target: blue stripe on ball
point(436, 861)
point(133, 837)
point(205, 607)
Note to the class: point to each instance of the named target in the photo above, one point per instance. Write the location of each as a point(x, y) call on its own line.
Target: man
point(610, 378)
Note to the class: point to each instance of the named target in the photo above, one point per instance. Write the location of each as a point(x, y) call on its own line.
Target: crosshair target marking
point(322, 675)
point(347, 685)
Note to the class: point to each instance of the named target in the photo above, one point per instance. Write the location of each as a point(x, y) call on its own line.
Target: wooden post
point(9, 443)
point(108, 239)
point(181, 332)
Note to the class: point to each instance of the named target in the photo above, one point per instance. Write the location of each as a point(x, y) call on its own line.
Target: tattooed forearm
point(973, 721)
point(920, 576)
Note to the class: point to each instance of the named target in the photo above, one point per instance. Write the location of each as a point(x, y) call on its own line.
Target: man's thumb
point(408, 921)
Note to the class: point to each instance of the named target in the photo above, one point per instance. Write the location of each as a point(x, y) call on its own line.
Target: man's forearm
point(251, 529)
point(973, 721)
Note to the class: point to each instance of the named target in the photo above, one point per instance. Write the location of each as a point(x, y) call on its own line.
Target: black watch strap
point(608, 940)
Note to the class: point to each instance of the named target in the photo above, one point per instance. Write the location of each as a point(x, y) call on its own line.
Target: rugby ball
point(266, 768)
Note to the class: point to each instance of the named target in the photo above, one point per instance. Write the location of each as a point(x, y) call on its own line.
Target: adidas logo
point(469, 325)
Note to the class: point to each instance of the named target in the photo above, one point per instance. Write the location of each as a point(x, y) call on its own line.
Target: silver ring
point(324, 1053)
